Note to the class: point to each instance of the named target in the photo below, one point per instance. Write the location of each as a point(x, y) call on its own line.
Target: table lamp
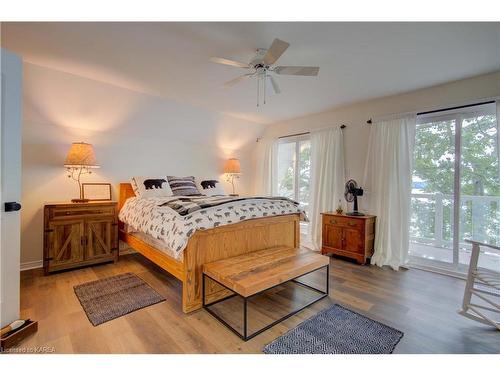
point(232, 169)
point(79, 161)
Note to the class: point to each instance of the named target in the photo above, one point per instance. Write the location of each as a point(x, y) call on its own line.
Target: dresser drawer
point(344, 222)
point(65, 213)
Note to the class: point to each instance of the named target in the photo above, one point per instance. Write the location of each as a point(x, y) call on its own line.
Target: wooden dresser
point(79, 234)
point(349, 236)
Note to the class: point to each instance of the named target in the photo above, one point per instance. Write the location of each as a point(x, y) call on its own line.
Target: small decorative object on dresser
point(79, 234)
point(96, 191)
point(339, 209)
point(349, 236)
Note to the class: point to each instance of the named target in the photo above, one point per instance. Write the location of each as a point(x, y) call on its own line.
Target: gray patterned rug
point(109, 298)
point(337, 330)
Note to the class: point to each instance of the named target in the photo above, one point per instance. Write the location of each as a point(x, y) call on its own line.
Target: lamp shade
point(81, 154)
point(232, 166)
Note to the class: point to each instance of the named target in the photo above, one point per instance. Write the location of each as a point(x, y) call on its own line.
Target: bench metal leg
point(245, 336)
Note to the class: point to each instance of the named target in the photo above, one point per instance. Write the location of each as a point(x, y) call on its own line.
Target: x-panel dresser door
point(99, 238)
point(65, 243)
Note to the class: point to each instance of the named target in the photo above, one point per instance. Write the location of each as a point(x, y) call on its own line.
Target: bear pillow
point(210, 186)
point(151, 187)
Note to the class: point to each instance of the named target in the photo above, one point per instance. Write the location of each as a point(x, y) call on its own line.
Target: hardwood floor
point(421, 304)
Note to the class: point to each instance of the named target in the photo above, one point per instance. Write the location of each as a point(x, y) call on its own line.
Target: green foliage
point(479, 176)
point(435, 156)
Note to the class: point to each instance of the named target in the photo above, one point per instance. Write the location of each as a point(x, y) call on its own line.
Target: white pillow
point(150, 187)
point(210, 186)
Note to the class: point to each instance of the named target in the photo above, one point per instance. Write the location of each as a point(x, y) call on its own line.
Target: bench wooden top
point(257, 271)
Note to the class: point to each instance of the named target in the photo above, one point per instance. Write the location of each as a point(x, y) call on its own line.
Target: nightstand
point(79, 234)
point(349, 236)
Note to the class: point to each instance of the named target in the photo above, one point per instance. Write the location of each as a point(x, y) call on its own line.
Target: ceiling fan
point(262, 65)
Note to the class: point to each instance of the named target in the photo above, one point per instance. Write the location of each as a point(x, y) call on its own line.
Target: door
point(66, 242)
point(10, 185)
point(455, 188)
point(294, 167)
point(332, 236)
point(353, 240)
point(99, 238)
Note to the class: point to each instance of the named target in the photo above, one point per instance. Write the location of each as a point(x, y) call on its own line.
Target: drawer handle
point(351, 224)
point(333, 221)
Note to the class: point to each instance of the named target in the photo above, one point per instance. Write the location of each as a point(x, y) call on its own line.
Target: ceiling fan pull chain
point(264, 80)
point(258, 96)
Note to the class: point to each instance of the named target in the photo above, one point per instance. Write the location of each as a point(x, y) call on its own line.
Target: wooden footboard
point(228, 241)
point(214, 244)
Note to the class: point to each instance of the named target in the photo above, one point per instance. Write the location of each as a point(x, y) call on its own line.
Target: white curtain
point(388, 171)
point(498, 136)
point(327, 177)
point(266, 167)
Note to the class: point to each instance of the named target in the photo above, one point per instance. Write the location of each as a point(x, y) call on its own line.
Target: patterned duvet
point(153, 217)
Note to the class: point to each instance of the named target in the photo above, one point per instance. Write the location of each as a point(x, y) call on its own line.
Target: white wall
point(354, 116)
point(132, 133)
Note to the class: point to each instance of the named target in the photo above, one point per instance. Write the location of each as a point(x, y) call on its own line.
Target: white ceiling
point(358, 60)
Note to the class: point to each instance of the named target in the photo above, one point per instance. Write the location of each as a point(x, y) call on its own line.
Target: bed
point(210, 245)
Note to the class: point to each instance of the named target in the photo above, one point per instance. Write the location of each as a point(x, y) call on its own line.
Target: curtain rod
point(304, 133)
point(447, 109)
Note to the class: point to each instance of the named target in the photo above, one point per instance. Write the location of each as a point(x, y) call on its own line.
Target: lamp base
point(78, 200)
point(355, 213)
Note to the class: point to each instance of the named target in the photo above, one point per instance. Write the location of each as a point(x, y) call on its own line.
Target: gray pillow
point(183, 185)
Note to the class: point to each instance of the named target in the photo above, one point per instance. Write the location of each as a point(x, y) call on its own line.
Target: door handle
point(12, 206)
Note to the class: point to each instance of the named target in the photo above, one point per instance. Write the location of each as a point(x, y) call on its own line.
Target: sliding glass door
point(455, 187)
point(294, 171)
point(294, 160)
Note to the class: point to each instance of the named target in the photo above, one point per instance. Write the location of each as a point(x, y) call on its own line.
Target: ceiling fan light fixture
point(262, 64)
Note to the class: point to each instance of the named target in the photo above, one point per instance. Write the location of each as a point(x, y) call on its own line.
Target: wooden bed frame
point(211, 245)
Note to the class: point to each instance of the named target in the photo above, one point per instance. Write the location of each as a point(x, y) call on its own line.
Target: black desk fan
point(352, 192)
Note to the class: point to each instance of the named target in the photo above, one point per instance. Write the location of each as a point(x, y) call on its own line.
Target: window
point(294, 161)
point(455, 187)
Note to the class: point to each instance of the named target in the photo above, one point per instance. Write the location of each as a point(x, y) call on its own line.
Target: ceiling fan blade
point(236, 80)
point(221, 60)
point(275, 85)
point(297, 70)
point(275, 51)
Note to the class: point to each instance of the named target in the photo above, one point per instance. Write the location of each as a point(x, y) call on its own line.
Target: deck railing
point(482, 214)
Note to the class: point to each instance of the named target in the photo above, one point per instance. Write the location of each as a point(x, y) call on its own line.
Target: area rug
point(109, 298)
point(337, 330)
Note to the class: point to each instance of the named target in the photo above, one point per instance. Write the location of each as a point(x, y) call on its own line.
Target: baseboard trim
point(128, 251)
point(31, 265)
point(39, 263)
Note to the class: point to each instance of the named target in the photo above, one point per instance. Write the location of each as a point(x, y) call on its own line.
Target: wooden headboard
point(126, 192)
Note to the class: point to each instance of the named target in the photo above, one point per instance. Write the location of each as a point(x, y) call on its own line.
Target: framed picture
point(97, 191)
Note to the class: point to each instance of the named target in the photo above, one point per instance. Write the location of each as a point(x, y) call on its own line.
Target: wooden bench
point(253, 273)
